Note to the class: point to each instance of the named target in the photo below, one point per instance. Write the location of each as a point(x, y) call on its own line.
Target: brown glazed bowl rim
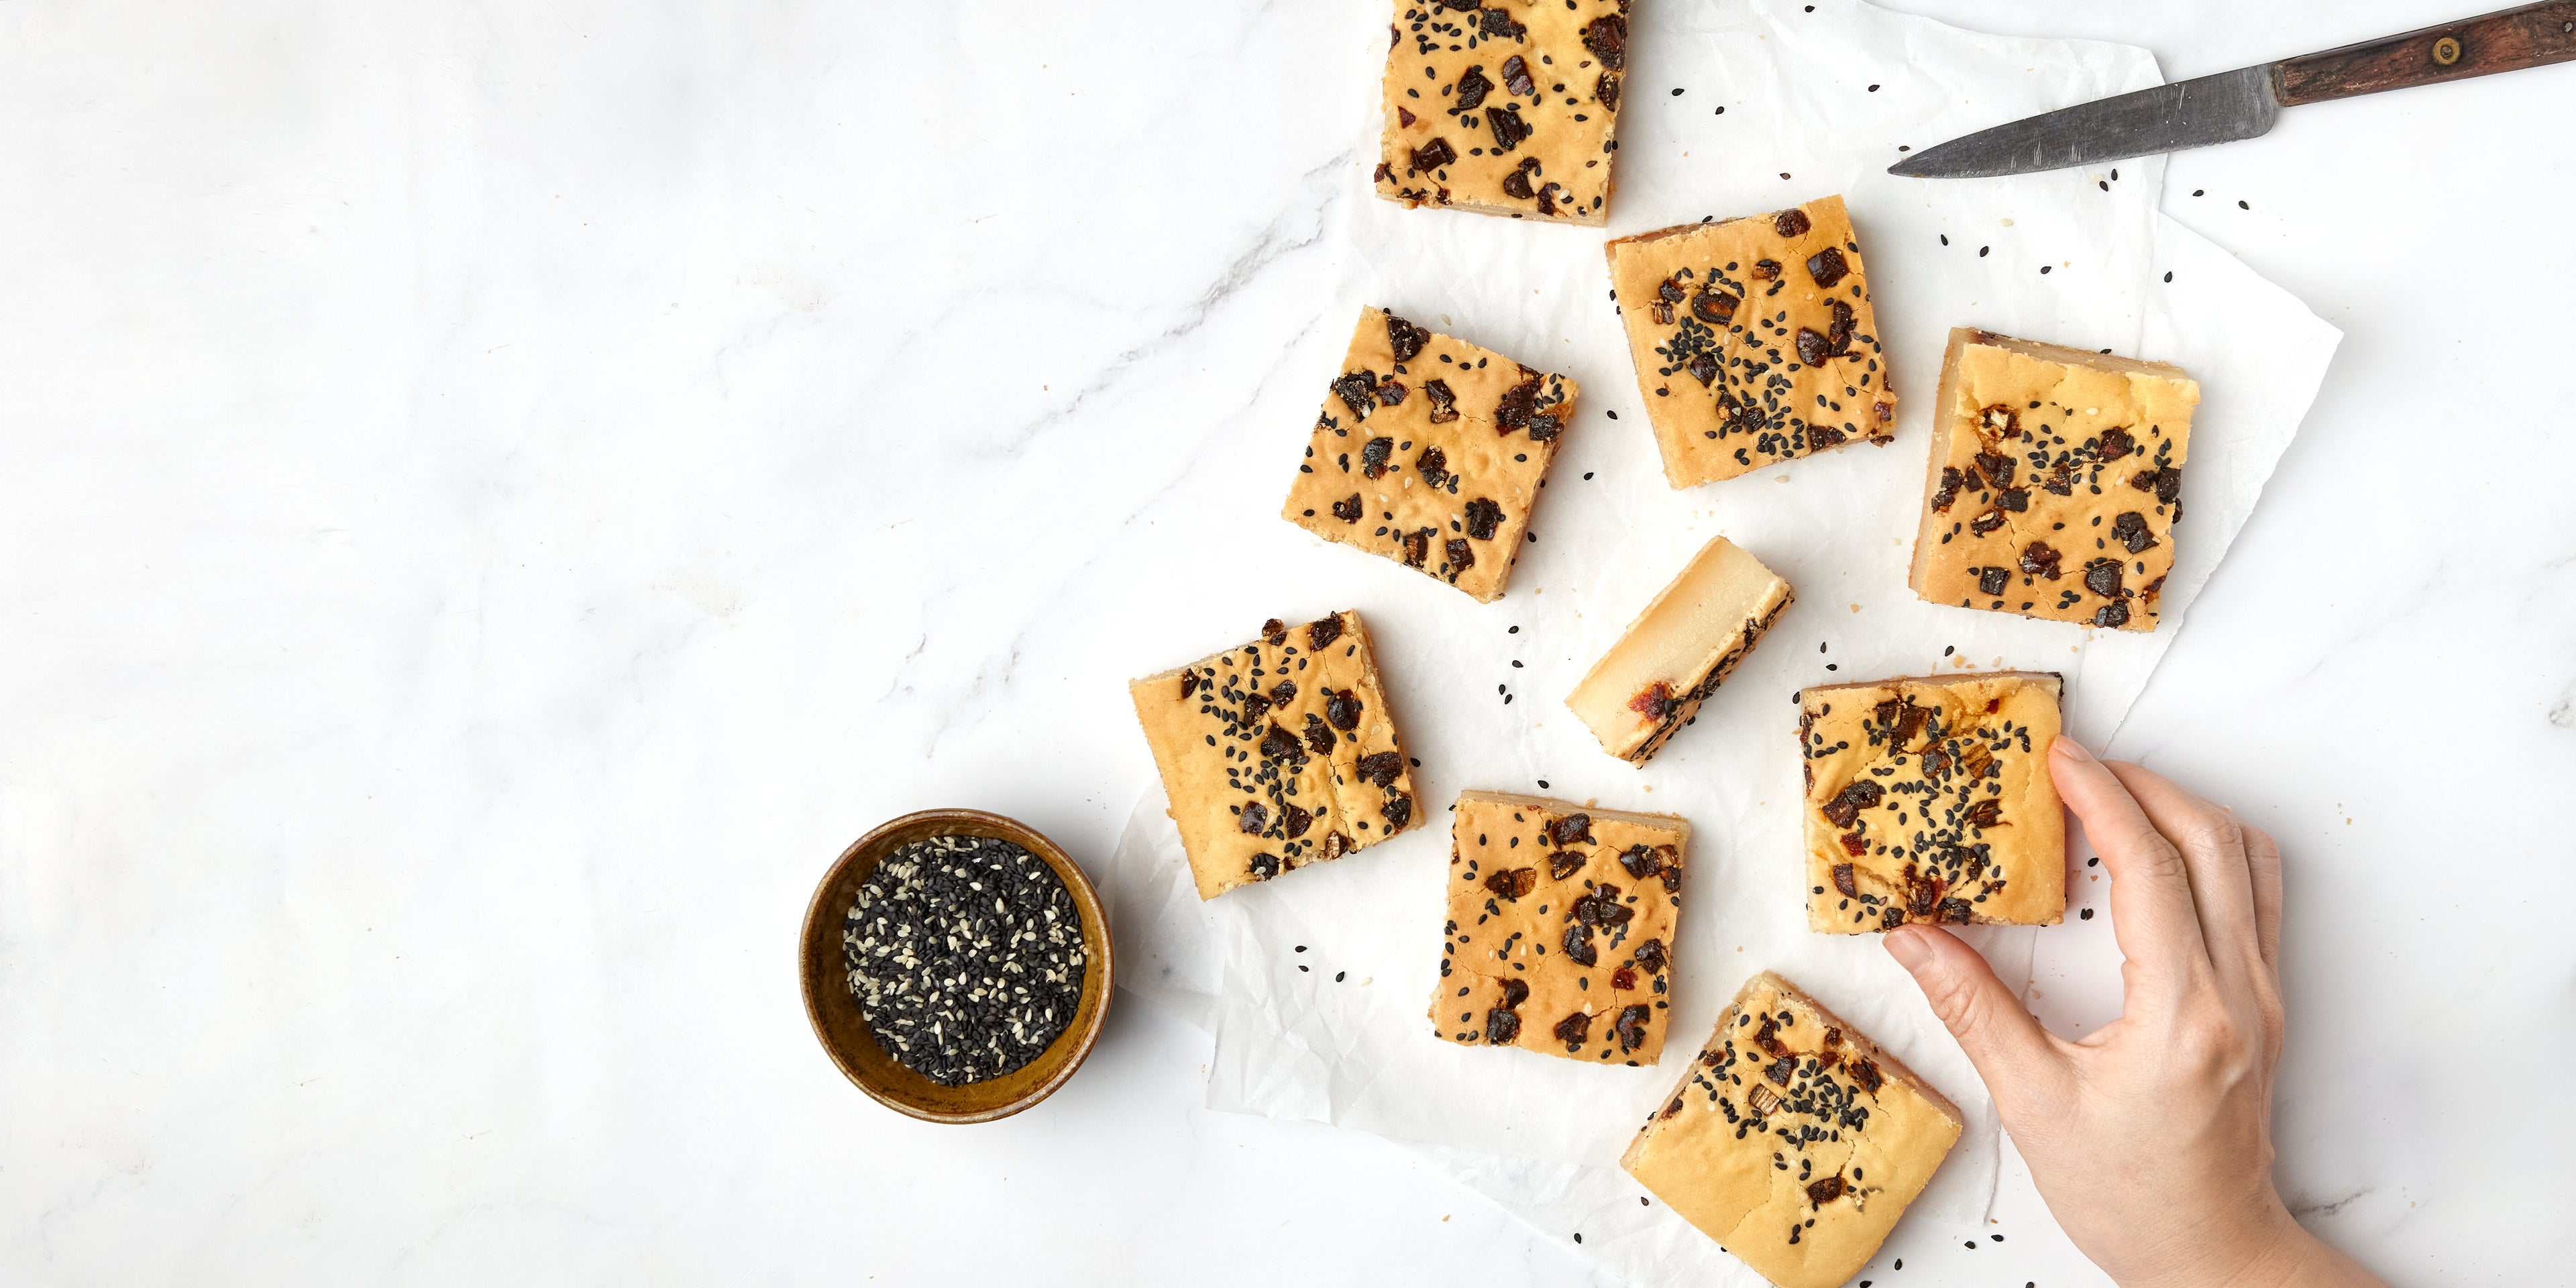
point(842, 1028)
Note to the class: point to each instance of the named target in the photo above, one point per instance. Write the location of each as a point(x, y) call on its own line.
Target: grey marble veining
point(495, 498)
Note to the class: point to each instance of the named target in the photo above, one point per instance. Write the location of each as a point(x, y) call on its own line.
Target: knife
point(2244, 104)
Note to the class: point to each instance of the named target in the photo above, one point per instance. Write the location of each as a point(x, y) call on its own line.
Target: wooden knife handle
point(2531, 36)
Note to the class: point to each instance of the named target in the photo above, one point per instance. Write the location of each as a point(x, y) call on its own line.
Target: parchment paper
point(1316, 986)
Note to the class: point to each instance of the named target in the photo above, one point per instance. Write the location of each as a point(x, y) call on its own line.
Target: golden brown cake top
point(1754, 339)
point(1560, 930)
point(1794, 1141)
point(1508, 107)
point(1279, 753)
point(2055, 482)
point(1930, 800)
point(1430, 451)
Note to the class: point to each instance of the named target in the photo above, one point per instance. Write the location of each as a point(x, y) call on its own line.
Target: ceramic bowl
point(843, 1029)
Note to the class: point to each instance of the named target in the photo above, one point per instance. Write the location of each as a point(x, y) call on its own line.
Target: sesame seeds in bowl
point(956, 965)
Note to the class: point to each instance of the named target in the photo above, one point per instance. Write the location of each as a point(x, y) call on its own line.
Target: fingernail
point(2070, 748)
point(1908, 948)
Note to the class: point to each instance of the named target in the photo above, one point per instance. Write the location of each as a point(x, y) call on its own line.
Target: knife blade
point(2241, 104)
point(2245, 103)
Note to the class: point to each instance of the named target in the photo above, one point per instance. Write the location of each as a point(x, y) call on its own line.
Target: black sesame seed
point(966, 956)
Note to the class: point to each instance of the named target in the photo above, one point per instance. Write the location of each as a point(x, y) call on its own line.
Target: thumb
point(1999, 1034)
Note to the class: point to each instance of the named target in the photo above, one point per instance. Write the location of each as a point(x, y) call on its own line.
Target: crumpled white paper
point(1316, 986)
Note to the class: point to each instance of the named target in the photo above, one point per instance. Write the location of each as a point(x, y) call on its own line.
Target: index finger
point(2152, 915)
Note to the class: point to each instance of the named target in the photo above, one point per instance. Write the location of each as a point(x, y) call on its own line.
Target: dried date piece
point(1358, 391)
point(1650, 956)
point(1607, 90)
point(1715, 307)
point(2115, 613)
point(1516, 77)
point(1564, 863)
point(1865, 1072)
point(1578, 945)
point(1390, 392)
point(1509, 129)
point(1461, 556)
point(1518, 406)
point(1703, 368)
point(1433, 465)
point(1828, 267)
point(1517, 183)
point(1570, 830)
point(1943, 497)
point(1373, 457)
point(2165, 482)
point(2130, 530)
point(1631, 1027)
point(1999, 421)
point(2039, 559)
point(1642, 861)
point(1417, 547)
point(1792, 223)
point(1512, 883)
point(1254, 819)
point(1483, 518)
point(1321, 632)
point(1813, 347)
point(1502, 1027)
point(1397, 811)
point(1278, 744)
point(1843, 881)
point(1348, 510)
point(1498, 24)
point(2115, 444)
point(1992, 581)
point(1274, 632)
point(1655, 701)
point(1444, 404)
point(1607, 38)
point(1623, 980)
point(1766, 270)
point(2102, 577)
point(1825, 1191)
point(1264, 866)
point(1433, 155)
point(1319, 739)
point(1405, 338)
point(1380, 770)
point(1997, 467)
point(1854, 798)
point(1472, 89)
point(1574, 1030)
point(1295, 821)
point(1343, 710)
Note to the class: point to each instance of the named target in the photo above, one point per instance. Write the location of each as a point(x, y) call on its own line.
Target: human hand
point(2151, 1138)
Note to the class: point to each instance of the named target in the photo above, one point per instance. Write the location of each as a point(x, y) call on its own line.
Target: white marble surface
point(495, 497)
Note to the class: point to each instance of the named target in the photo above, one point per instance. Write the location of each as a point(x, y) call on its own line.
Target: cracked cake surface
point(1560, 928)
point(1430, 451)
point(1930, 800)
point(1279, 753)
point(1793, 1140)
point(1504, 107)
point(1754, 340)
point(1688, 639)
point(2055, 482)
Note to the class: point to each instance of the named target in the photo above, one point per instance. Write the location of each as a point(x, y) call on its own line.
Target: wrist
point(2266, 1249)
